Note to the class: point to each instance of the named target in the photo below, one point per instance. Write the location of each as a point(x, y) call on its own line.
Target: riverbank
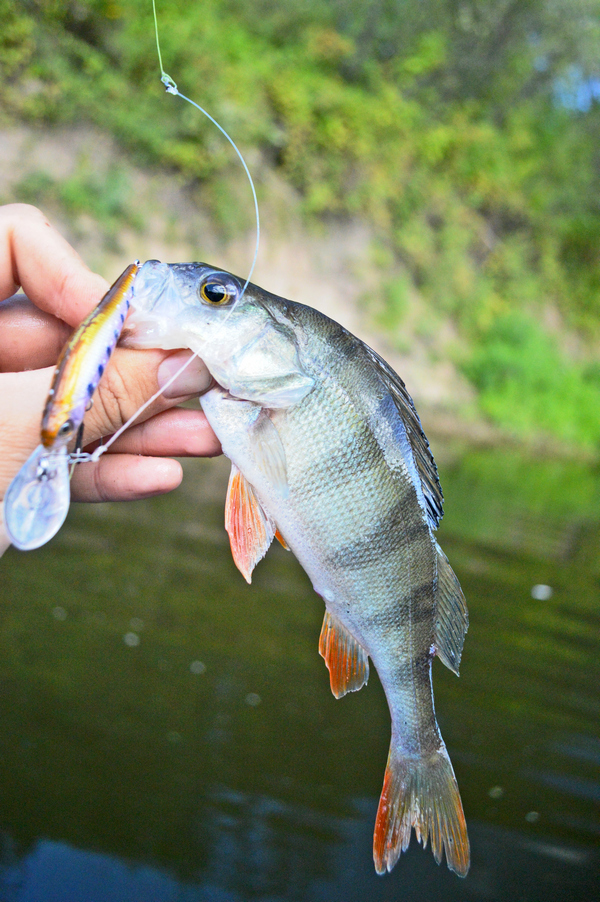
point(114, 211)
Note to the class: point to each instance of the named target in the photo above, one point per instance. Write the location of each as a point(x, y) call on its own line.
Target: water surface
point(168, 732)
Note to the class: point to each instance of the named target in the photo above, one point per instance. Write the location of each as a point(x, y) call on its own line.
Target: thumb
point(22, 397)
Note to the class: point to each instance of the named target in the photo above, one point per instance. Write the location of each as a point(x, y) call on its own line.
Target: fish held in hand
point(328, 454)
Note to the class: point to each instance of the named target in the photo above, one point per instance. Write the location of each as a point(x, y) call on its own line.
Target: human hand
point(59, 291)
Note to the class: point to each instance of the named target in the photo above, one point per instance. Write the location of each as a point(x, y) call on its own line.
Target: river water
point(168, 733)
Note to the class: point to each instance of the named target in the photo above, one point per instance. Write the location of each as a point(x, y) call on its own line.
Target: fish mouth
point(164, 308)
point(137, 335)
point(151, 282)
point(154, 287)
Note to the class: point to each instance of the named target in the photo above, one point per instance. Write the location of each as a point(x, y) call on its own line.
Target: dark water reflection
point(168, 733)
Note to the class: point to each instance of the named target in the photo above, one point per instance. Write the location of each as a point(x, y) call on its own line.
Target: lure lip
point(37, 500)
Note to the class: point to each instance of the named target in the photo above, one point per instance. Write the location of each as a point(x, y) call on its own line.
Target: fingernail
point(192, 381)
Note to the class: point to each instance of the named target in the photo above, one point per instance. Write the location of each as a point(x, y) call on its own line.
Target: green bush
point(526, 384)
point(106, 197)
point(435, 121)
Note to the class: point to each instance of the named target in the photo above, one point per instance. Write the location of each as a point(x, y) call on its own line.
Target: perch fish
point(328, 454)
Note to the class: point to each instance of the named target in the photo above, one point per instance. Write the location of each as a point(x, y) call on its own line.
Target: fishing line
point(85, 457)
point(171, 88)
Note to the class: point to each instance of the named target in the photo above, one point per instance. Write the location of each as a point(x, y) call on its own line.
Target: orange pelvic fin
point(250, 528)
point(281, 540)
point(346, 659)
point(421, 793)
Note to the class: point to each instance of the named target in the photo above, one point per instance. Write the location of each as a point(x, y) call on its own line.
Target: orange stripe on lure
point(37, 501)
point(83, 361)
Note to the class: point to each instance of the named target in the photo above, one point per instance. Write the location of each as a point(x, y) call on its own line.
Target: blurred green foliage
point(524, 378)
point(105, 197)
point(437, 120)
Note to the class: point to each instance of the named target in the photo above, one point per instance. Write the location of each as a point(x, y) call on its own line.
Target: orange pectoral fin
point(250, 528)
point(347, 661)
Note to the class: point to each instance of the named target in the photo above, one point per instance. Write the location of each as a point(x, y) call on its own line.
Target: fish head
point(180, 305)
point(232, 327)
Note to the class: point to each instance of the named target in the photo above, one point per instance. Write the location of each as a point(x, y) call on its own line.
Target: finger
point(126, 384)
point(132, 377)
point(35, 257)
point(125, 477)
point(31, 338)
point(178, 432)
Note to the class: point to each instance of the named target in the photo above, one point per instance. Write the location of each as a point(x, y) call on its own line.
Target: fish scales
point(327, 450)
point(382, 544)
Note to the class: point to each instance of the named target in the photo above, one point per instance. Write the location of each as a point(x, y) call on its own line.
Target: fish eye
point(66, 428)
point(218, 291)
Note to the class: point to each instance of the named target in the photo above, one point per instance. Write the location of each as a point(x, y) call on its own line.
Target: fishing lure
point(37, 501)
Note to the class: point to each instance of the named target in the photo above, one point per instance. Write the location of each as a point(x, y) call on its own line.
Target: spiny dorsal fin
point(424, 461)
point(250, 528)
point(452, 618)
point(346, 659)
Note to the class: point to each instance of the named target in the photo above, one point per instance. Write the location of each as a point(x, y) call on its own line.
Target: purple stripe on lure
point(37, 500)
point(83, 362)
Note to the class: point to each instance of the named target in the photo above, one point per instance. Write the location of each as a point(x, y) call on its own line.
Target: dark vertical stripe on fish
point(394, 531)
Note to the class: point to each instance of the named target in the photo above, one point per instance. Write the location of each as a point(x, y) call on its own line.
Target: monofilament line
point(172, 88)
point(84, 457)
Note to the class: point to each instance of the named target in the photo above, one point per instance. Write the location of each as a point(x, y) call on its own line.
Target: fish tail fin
point(421, 793)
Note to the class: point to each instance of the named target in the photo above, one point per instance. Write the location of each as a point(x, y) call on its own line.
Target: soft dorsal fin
point(423, 457)
point(346, 659)
point(452, 618)
point(250, 528)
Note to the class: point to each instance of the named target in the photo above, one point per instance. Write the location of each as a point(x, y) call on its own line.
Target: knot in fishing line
point(169, 84)
point(83, 457)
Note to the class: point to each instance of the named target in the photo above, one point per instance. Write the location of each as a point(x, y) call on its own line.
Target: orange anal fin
point(281, 540)
point(250, 528)
point(346, 659)
point(421, 793)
